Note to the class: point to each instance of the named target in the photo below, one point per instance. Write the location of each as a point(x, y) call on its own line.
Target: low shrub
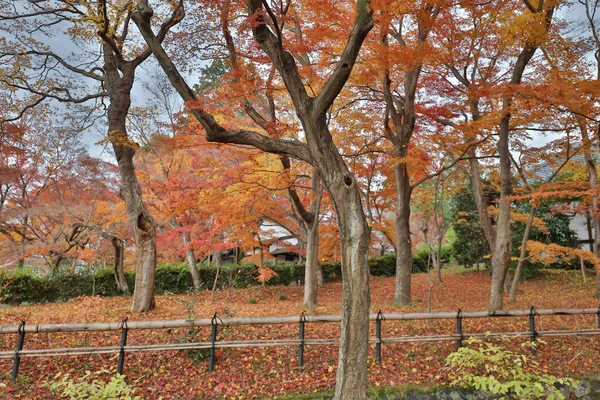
point(94, 386)
point(383, 266)
point(491, 367)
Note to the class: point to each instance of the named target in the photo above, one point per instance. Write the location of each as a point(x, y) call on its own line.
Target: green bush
point(173, 279)
point(422, 259)
point(490, 367)
point(383, 266)
point(23, 285)
point(386, 265)
point(91, 387)
point(26, 285)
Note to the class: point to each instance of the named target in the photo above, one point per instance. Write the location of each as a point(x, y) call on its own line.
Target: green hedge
point(27, 286)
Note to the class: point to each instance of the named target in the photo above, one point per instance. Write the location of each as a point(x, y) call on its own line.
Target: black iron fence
point(215, 322)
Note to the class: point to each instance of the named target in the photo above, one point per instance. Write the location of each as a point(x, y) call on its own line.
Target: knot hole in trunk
point(348, 181)
point(142, 223)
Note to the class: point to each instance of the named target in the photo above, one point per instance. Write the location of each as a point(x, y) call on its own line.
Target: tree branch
point(341, 73)
point(214, 132)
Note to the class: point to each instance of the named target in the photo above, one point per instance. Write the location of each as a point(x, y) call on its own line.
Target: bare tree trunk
point(593, 180)
point(144, 231)
point(404, 261)
point(118, 245)
point(119, 252)
point(21, 262)
point(310, 271)
point(218, 269)
point(313, 267)
point(351, 378)
point(519, 270)
point(582, 266)
point(502, 252)
point(309, 223)
point(501, 257)
point(191, 261)
point(118, 84)
point(481, 201)
point(437, 262)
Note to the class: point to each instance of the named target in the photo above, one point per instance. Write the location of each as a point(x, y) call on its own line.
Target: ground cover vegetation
point(273, 372)
point(433, 130)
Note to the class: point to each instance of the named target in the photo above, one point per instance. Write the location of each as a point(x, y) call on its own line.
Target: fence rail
point(214, 322)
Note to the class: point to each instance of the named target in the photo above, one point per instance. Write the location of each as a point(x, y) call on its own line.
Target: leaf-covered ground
point(244, 373)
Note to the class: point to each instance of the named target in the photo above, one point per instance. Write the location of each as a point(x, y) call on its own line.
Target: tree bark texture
point(519, 270)
point(191, 261)
point(593, 180)
point(404, 260)
point(351, 378)
point(312, 264)
point(118, 84)
point(481, 201)
point(119, 247)
point(502, 252)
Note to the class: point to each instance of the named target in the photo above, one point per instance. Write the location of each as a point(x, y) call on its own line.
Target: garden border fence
point(125, 326)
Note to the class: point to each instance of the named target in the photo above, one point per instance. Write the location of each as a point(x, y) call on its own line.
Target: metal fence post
point(459, 328)
point(378, 320)
point(532, 328)
point(213, 339)
point(124, 330)
point(301, 345)
point(598, 318)
point(18, 348)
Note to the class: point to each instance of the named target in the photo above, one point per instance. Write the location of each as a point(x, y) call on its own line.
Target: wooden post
point(17, 359)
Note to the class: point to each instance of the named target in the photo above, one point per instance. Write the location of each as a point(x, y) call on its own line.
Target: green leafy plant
point(91, 387)
point(491, 367)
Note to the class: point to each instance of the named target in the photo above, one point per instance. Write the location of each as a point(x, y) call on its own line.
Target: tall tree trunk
point(313, 269)
point(118, 84)
point(312, 261)
point(189, 254)
point(593, 180)
point(502, 252)
point(481, 201)
point(438, 261)
point(21, 262)
point(118, 245)
point(191, 261)
point(143, 228)
point(351, 378)
point(404, 260)
point(519, 270)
